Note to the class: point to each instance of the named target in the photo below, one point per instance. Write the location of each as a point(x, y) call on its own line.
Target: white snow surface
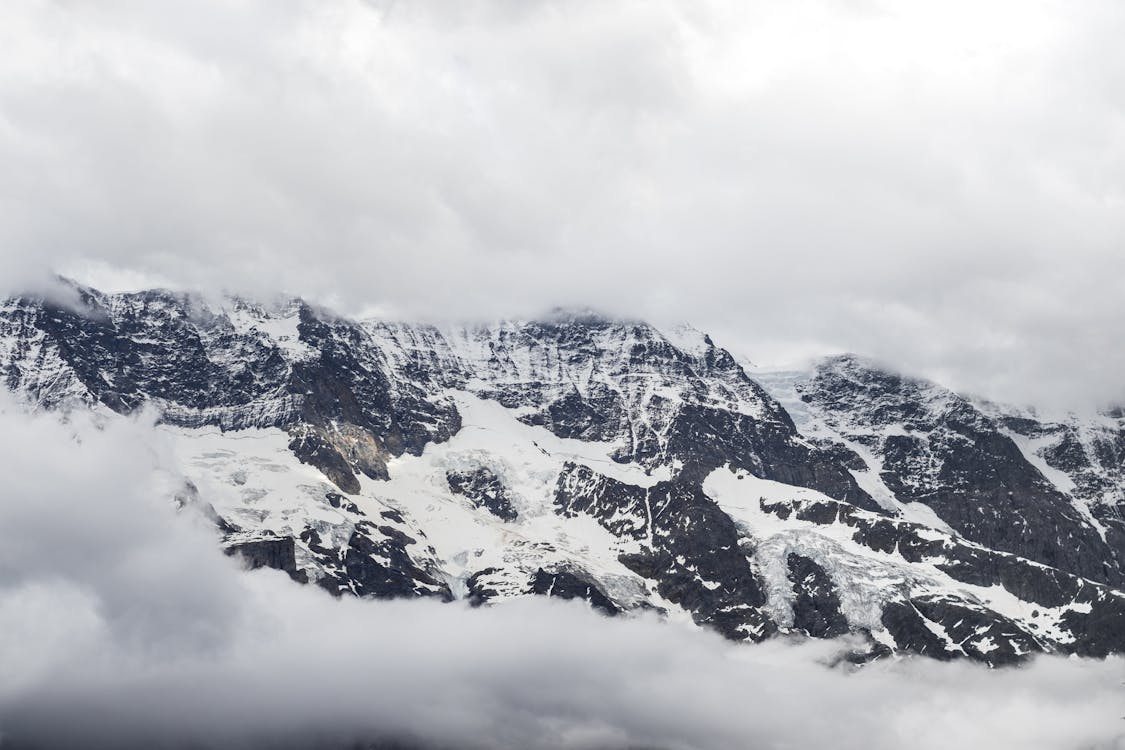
point(251, 478)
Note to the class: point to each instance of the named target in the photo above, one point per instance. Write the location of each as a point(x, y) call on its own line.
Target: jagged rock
point(686, 545)
point(938, 449)
point(816, 604)
point(485, 489)
point(375, 564)
point(565, 584)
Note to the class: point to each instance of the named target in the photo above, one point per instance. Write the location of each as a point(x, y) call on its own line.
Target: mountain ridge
point(588, 457)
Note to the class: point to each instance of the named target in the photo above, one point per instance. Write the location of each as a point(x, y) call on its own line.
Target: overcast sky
point(936, 184)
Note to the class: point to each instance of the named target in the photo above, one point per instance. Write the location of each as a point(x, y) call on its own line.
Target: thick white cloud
point(940, 185)
point(124, 626)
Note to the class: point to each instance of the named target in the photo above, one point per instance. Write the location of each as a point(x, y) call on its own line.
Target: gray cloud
point(124, 626)
point(936, 186)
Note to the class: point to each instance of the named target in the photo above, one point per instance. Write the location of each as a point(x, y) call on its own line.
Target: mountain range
point(636, 467)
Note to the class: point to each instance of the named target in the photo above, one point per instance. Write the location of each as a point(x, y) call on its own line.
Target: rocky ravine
point(580, 457)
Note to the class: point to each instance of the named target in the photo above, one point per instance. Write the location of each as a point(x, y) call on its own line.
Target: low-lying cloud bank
point(124, 626)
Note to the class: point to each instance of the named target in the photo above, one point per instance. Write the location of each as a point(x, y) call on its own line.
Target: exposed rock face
point(625, 383)
point(684, 543)
point(609, 462)
point(242, 365)
point(936, 448)
point(949, 604)
point(490, 585)
point(565, 584)
point(485, 489)
point(375, 564)
point(816, 605)
point(278, 553)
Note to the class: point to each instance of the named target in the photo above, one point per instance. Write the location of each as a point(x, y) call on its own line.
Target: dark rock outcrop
point(816, 604)
point(484, 489)
point(270, 552)
point(685, 544)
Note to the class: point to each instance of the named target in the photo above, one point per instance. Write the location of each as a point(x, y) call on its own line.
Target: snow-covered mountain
point(635, 468)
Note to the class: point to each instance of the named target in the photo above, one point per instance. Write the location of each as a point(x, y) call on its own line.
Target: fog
point(940, 186)
point(124, 626)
